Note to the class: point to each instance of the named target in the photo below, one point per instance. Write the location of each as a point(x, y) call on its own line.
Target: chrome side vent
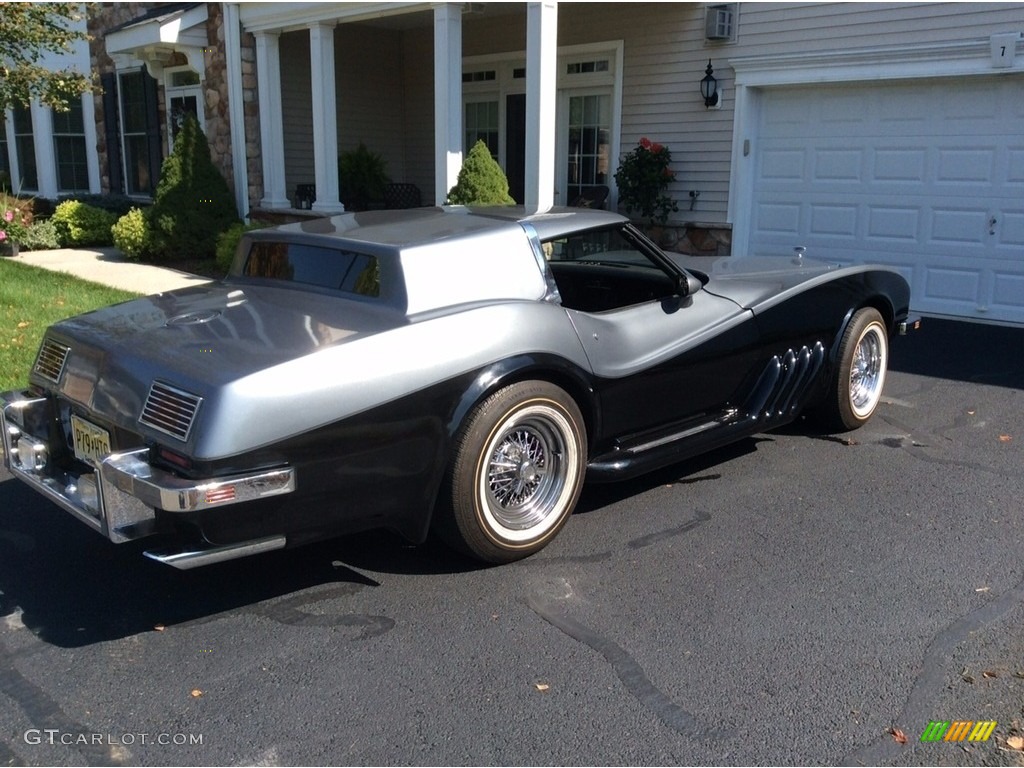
point(51, 360)
point(781, 388)
point(170, 410)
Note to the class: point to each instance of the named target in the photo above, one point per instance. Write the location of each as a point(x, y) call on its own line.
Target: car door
point(659, 358)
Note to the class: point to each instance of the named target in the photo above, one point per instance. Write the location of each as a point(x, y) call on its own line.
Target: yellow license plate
point(91, 442)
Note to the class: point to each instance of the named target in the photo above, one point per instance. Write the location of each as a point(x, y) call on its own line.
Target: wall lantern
point(709, 87)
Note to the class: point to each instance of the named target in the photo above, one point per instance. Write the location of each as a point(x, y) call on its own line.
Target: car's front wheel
point(517, 472)
point(863, 360)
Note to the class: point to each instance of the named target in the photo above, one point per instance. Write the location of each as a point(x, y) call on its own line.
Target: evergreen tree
point(193, 203)
point(481, 180)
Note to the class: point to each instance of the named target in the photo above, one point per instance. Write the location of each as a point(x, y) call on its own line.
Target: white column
point(325, 118)
point(447, 98)
point(236, 108)
point(541, 103)
point(268, 72)
point(12, 152)
point(46, 160)
point(92, 158)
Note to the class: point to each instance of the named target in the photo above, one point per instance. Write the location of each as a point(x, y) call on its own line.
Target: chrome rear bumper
point(120, 494)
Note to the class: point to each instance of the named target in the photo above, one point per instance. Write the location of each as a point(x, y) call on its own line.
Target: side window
point(335, 269)
point(608, 246)
point(602, 270)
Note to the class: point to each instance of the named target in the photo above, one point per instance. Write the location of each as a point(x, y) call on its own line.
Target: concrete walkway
point(109, 267)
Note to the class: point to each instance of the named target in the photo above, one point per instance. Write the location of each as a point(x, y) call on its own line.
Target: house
point(887, 132)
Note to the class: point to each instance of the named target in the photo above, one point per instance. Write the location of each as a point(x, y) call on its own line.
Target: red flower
point(656, 148)
point(645, 143)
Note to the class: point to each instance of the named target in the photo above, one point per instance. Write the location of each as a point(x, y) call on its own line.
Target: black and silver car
point(453, 370)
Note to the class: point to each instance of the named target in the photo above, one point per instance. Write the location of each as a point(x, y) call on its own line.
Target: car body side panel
point(381, 468)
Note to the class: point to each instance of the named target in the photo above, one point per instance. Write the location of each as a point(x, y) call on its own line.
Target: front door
point(587, 145)
point(515, 145)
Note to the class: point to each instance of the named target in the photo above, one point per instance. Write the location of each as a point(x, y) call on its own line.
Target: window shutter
point(111, 132)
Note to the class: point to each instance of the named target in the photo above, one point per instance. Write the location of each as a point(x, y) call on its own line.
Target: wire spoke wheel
point(518, 471)
point(860, 377)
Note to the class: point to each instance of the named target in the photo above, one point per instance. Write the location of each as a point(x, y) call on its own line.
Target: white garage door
point(927, 177)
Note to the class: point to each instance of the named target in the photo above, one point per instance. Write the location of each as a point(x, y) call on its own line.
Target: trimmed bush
point(481, 180)
point(40, 236)
point(79, 224)
point(131, 234)
point(193, 203)
point(119, 205)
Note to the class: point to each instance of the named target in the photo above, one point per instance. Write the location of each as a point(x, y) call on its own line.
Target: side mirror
point(688, 284)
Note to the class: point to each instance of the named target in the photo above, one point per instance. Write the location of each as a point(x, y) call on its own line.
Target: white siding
point(368, 70)
point(418, 83)
point(665, 55)
point(297, 106)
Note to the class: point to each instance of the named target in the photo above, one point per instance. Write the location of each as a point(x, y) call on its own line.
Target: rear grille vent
point(51, 359)
point(169, 410)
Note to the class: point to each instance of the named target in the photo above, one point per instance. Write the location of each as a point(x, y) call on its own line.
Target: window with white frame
point(481, 124)
point(25, 147)
point(589, 129)
point(183, 95)
point(69, 149)
point(134, 138)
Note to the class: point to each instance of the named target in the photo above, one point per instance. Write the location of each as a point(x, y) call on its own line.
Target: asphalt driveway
point(793, 599)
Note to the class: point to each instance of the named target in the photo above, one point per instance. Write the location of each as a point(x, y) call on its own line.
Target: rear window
point(336, 269)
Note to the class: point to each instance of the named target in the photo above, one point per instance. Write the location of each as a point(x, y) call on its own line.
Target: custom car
point(460, 371)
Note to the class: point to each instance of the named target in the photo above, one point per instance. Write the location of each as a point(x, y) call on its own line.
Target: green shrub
point(193, 203)
point(81, 224)
point(362, 178)
point(131, 234)
point(40, 236)
point(481, 180)
point(227, 242)
point(117, 204)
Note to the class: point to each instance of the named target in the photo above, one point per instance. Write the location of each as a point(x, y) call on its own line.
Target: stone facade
point(693, 239)
point(216, 116)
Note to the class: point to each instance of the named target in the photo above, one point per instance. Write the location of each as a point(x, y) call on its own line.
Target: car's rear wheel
point(517, 472)
point(863, 360)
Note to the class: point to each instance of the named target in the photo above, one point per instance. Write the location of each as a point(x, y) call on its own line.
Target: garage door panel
point(1007, 293)
point(957, 226)
point(924, 176)
point(1015, 166)
point(1010, 233)
point(832, 165)
point(908, 165)
point(952, 285)
point(970, 165)
point(893, 224)
point(834, 220)
point(778, 218)
point(782, 165)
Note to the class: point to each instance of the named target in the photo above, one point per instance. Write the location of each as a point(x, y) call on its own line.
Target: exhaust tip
point(187, 558)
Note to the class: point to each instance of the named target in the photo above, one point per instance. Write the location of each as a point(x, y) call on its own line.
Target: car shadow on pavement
point(962, 351)
point(73, 588)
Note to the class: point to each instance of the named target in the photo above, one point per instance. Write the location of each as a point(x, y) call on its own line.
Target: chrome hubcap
point(867, 372)
point(526, 473)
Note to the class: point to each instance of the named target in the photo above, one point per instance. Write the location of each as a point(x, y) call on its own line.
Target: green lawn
point(30, 300)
